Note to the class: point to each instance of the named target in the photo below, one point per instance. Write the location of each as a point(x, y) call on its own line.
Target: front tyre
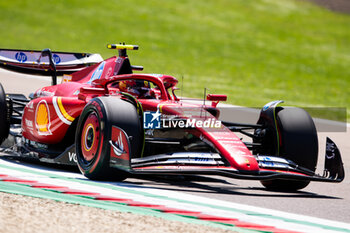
point(94, 133)
point(298, 142)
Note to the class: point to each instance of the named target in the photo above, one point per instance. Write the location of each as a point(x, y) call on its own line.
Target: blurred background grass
point(254, 51)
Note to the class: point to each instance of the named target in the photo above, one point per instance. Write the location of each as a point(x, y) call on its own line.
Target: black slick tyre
point(93, 134)
point(298, 143)
point(4, 118)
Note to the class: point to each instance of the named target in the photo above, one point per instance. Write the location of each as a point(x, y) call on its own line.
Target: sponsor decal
point(266, 107)
point(97, 73)
point(272, 162)
point(109, 72)
point(21, 57)
point(201, 159)
point(331, 149)
point(40, 93)
point(72, 157)
point(267, 162)
point(42, 118)
point(333, 162)
point(28, 123)
point(34, 144)
point(66, 78)
point(61, 112)
point(30, 105)
point(119, 143)
point(56, 58)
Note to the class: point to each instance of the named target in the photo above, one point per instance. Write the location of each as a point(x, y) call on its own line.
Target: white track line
point(174, 199)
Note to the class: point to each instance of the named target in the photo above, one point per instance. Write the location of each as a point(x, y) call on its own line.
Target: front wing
point(199, 163)
point(270, 167)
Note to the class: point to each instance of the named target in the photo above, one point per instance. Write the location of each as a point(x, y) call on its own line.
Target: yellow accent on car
point(160, 108)
point(63, 111)
point(123, 46)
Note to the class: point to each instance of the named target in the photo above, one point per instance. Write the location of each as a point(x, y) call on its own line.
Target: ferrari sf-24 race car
point(114, 123)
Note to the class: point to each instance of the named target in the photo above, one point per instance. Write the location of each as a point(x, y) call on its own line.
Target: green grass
point(253, 50)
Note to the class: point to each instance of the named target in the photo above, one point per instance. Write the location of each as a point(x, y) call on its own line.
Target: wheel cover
point(90, 137)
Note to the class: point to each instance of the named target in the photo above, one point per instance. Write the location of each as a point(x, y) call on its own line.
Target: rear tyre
point(4, 118)
point(94, 132)
point(298, 142)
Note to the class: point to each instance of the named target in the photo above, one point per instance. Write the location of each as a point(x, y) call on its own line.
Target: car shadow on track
point(212, 185)
point(192, 184)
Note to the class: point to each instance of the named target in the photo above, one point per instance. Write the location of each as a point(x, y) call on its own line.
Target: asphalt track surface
point(324, 200)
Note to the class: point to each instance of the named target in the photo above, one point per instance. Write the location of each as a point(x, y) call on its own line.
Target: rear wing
point(32, 61)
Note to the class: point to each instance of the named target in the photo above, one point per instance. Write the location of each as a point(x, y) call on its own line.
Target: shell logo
point(42, 118)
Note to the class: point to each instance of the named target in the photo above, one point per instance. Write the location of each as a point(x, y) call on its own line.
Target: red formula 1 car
point(112, 123)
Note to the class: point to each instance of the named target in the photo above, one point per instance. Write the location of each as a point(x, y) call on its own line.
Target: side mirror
point(216, 99)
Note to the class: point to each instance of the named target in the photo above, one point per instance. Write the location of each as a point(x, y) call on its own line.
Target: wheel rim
point(90, 138)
